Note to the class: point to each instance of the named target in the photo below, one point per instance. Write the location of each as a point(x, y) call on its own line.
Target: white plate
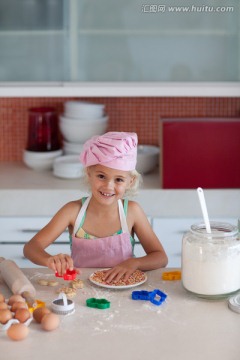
point(68, 167)
point(116, 286)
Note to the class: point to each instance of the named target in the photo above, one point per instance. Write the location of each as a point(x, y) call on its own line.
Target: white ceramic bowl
point(74, 121)
point(80, 131)
point(70, 148)
point(147, 158)
point(68, 167)
point(82, 109)
point(40, 160)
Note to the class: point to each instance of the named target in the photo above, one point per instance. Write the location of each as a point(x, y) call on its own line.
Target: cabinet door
point(17, 231)
point(22, 229)
point(32, 40)
point(15, 252)
point(115, 41)
point(170, 232)
point(138, 250)
point(133, 41)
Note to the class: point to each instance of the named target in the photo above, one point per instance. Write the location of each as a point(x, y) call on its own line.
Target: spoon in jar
point(204, 209)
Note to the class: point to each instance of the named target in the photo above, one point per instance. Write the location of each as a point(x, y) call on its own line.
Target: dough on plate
point(136, 277)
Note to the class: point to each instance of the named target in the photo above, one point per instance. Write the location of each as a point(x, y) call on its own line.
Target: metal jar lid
point(234, 303)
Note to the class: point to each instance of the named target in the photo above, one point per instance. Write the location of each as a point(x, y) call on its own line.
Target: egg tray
point(10, 322)
point(15, 321)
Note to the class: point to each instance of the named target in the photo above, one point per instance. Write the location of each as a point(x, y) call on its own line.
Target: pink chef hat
point(116, 150)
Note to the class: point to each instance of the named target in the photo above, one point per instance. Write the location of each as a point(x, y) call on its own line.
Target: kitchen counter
point(43, 194)
point(184, 327)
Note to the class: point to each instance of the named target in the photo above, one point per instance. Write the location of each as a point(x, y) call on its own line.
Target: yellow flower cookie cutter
point(171, 275)
point(37, 304)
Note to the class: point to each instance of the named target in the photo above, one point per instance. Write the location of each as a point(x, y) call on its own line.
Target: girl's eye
point(100, 176)
point(119, 180)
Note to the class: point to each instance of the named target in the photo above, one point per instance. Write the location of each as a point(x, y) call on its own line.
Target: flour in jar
point(210, 269)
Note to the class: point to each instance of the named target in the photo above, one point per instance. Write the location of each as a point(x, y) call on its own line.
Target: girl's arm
point(34, 250)
point(155, 255)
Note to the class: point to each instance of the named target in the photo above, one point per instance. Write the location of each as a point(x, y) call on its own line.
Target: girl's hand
point(60, 263)
point(122, 270)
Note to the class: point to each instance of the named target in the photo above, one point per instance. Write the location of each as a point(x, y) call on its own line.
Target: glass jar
point(43, 131)
point(211, 262)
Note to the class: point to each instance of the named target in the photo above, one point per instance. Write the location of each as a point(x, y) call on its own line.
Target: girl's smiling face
point(108, 184)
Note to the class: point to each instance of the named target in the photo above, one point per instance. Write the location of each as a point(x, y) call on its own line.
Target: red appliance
point(201, 152)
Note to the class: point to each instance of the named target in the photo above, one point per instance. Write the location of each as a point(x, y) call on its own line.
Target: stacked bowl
point(147, 158)
point(80, 121)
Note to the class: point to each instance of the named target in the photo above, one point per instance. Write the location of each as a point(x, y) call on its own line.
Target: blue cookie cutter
point(98, 303)
point(156, 297)
point(141, 295)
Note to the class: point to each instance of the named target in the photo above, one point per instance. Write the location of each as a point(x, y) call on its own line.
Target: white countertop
point(184, 327)
point(25, 192)
point(17, 176)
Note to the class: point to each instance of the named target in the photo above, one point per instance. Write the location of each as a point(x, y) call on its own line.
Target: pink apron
point(101, 252)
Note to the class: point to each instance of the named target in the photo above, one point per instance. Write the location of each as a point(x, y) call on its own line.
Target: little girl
point(102, 226)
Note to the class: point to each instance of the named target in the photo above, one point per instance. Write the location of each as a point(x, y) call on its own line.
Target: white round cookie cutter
point(62, 305)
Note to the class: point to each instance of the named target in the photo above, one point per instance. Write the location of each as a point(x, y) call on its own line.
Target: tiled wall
point(125, 114)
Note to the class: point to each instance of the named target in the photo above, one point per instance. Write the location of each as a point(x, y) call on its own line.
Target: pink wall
point(125, 114)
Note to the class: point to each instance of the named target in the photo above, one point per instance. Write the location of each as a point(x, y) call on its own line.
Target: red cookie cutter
point(69, 275)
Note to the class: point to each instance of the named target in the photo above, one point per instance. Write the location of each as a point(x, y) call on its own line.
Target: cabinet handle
point(35, 230)
point(30, 230)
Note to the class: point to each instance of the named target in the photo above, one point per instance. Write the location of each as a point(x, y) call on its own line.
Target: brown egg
point(18, 305)
point(39, 313)
point(15, 298)
point(2, 299)
point(5, 315)
point(22, 315)
point(50, 322)
point(17, 332)
point(3, 306)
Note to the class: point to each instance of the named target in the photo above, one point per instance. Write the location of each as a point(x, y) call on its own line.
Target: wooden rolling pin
point(17, 282)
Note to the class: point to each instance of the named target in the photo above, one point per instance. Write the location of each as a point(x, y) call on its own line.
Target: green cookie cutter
point(98, 303)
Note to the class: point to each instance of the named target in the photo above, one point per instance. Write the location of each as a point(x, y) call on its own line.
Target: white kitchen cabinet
point(22, 229)
point(119, 41)
point(14, 251)
point(138, 250)
point(170, 232)
point(17, 231)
